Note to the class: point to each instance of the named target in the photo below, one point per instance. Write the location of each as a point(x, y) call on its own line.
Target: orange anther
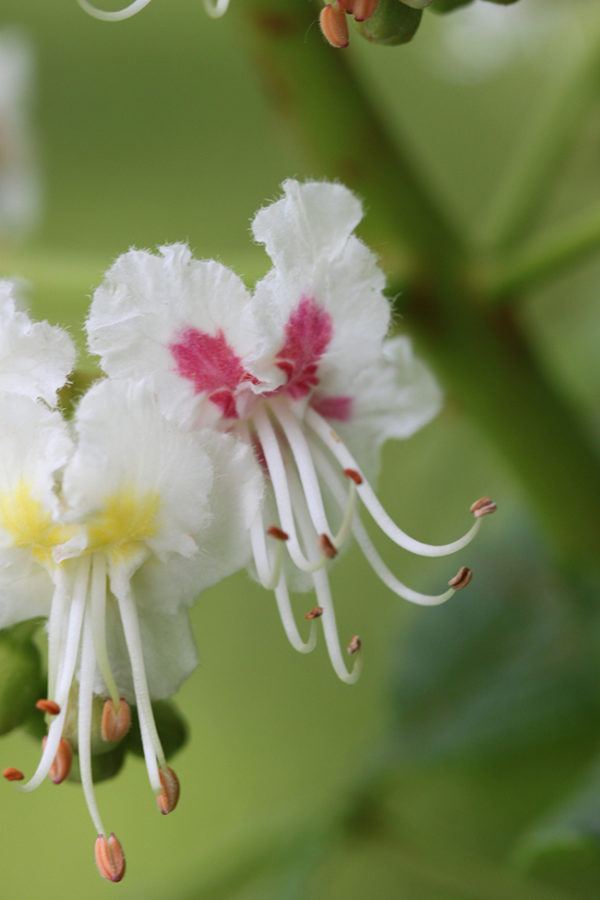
point(483, 507)
point(353, 475)
point(12, 774)
point(326, 547)
point(461, 579)
point(110, 858)
point(334, 26)
point(315, 613)
point(278, 533)
point(167, 799)
point(354, 645)
point(48, 706)
point(61, 765)
point(115, 722)
point(364, 9)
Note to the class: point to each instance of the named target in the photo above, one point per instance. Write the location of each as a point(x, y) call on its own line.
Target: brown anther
point(347, 5)
point(278, 533)
point(461, 579)
point(315, 613)
point(61, 765)
point(483, 507)
point(354, 645)
point(334, 26)
point(353, 475)
point(12, 774)
point(110, 858)
point(167, 799)
point(326, 546)
point(115, 722)
point(48, 706)
point(364, 9)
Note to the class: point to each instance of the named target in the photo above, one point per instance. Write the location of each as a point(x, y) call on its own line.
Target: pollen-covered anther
point(167, 799)
point(315, 613)
point(115, 721)
point(12, 774)
point(326, 546)
point(334, 26)
point(364, 9)
point(354, 645)
point(278, 533)
point(48, 706)
point(110, 858)
point(483, 507)
point(461, 579)
point(61, 765)
point(354, 476)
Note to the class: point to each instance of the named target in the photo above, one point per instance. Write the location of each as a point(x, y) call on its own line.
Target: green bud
point(392, 23)
point(171, 727)
point(446, 6)
point(104, 766)
point(21, 679)
point(502, 2)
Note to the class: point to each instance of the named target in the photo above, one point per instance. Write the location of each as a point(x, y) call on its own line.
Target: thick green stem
point(479, 352)
point(551, 253)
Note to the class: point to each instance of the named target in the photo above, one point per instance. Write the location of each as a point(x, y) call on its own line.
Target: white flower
point(306, 353)
point(120, 549)
point(214, 8)
point(35, 357)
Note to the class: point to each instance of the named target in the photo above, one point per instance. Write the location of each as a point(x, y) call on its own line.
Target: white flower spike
point(214, 8)
point(113, 557)
point(301, 370)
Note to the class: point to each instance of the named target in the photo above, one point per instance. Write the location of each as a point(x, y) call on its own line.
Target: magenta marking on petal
point(338, 408)
point(211, 365)
point(308, 333)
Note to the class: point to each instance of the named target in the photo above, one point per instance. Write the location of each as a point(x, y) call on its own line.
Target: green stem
point(523, 191)
point(479, 351)
point(552, 253)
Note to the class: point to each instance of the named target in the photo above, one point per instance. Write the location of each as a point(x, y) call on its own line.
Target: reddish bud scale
point(354, 645)
point(278, 533)
point(315, 613)
point(353, 475)
point(326, 547)
point(12, 774)
point(115, 722)
point(110, 858)
point(48, 706)
point(167, 799)
point(334, 26)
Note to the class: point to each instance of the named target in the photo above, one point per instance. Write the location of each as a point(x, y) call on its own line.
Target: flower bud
point(21, 681)
point(392, 23)
point(446, 6)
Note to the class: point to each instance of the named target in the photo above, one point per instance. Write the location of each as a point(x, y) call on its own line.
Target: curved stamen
point(98, 603)
point(267, 575)
point(153, 750)
point(331, 440)
point(56, 627)
point(289, 623)
point(325, 601)
point(216, 8)
point(364, 542)
point(279, 481)
point(84, 724)
point(65, 675)
point(348, 508)
point(118, 15)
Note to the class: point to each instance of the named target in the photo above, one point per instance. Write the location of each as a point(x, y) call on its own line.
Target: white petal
point(35, 357)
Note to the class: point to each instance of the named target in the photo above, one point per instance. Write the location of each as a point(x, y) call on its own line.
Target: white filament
point(98, 612)
point(216, 8)
point(84, 724)
point(118, 15)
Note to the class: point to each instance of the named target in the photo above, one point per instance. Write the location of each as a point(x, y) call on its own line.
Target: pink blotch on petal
point(308, 333)
point(211, 365)
point(338, 408)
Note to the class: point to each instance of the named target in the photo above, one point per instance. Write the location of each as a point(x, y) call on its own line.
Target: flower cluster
point(233, 429)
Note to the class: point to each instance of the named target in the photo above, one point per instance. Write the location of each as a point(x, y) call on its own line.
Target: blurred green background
point(462, 764)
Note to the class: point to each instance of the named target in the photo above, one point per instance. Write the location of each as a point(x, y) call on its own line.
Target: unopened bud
point(461, 579)
point(110, 858)
point(326, 546)
point(12, 774)
point(334, 26)
point(278, 533)
point(61, 766)
point(353, 475)
point(391, 23)
point(315, 613)
point(115, 722)
point(483, 507)
point(354, 645)
point(167, 799)
point(48, 706)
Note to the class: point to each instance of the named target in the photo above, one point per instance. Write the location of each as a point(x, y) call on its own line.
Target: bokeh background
point(462, 765)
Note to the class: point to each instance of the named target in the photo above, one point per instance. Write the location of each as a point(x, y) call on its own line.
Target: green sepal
point(392, 23)
point(21, 679)
point(446, 6)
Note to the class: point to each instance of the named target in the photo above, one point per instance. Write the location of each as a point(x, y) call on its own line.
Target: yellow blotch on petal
point(127, 520)
point(30, 524)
